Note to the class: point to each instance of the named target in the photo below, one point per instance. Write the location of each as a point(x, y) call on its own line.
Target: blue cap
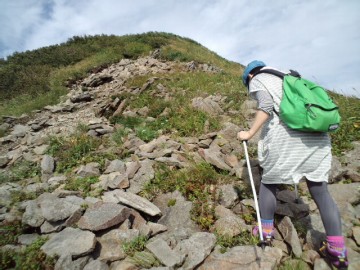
point(250, 67)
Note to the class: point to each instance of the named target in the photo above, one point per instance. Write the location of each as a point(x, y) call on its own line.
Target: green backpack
point(305, 105)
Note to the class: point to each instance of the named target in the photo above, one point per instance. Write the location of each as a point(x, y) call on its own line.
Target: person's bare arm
point(260, 119)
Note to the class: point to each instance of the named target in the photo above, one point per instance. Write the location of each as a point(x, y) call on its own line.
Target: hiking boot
point(267, 237)
point(337, 259)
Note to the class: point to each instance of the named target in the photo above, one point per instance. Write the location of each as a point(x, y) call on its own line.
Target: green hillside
point(34, 79)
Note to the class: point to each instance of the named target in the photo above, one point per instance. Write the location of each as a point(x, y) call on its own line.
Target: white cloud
point(318, 38)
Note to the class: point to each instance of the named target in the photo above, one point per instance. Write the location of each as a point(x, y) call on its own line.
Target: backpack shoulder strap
point(277, 73)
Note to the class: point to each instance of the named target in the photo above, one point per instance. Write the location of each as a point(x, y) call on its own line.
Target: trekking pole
point(296, 194)
point(255, 197)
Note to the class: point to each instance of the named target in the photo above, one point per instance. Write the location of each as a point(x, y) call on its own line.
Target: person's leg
point(331, 219)
point(267, 205)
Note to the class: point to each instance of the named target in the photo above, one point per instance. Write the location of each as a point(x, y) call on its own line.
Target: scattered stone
point(96, 265)
point(55, 209)
point(196, 249)
point(164, 253)
point(47, 165)
point(111, 244)
point(228, 196)
point(132, 200)
point(67, 242)
point(290, 235)
point(103, 215)
point(243, 257)
point(28, 239)
point(88, 170)
point(356, 234)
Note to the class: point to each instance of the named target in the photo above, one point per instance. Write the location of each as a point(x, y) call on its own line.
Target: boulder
point(103, 215)
point(70, 241)
point(243, 257)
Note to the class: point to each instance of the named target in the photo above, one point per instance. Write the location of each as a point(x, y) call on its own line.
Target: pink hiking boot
point(337, 259)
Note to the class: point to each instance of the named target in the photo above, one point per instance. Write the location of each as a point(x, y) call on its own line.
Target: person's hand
point(244, 135)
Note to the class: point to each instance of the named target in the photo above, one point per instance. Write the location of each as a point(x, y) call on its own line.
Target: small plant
point(9, 232)
point(136, 245)
point(144, 259)
point(32, 258)
point(226, 241)
point(19, 196)
point(81, 184)
point(294, 265)
point(20, 171)
point(171, 202)
point(72, 151)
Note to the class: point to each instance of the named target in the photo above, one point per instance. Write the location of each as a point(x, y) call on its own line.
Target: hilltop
point(129, 144)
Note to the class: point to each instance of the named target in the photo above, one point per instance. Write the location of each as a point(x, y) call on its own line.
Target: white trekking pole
point(255, 197)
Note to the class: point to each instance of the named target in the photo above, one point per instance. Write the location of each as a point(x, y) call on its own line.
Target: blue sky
point(319, 38)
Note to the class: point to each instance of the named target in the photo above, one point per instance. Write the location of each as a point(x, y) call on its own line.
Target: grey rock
point(229, 196)
point(356, 234)
point(164, 253)
point(56, 180)
point(133, 201)
point(207, 105)
point(131, 168)
point(88, 170)
point(314, 239)
point(103, 215)
point(33, 215)
point(20, 130)
point(5, 193)
point(54, 209)
point(96, 265)
point(116, 166)
point(4, 160)
point(114, 180)
point(228, 223)
point(310, 256)
point(243, 257)
point(321, 264)
point(296, 210)
point(66, 263)
point(111, 244)
point(83, 97)
point(49, 227)
point(143, 176)
point(196, 249)
point(286, 195)
point(290, 235)
point(171, 214)
point(70, 241)
point(40, 150)
point(215, 157)
point(47, 164)
point(27, 239)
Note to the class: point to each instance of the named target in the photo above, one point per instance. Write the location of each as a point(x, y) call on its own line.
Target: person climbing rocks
point(287, 156)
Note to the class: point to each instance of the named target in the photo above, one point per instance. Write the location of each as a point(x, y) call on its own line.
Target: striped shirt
point(287, 155)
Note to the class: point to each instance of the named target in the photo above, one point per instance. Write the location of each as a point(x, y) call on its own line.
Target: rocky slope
point(90, 232)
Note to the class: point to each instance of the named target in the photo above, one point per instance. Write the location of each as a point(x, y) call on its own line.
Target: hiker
point(286, 156)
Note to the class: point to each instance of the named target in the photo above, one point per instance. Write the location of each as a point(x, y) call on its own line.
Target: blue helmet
point(250, 67)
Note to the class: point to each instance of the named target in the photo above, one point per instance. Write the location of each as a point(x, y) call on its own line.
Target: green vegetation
point(9, 232)
point(196, 183)
point(33, 79)
point(31, 258)
point(294, 265)
point(81, 184)
point(135, 245)
point(350, 124)
point(77, 149)
point(19, 171)
point(244, 238)
point(144, 259)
